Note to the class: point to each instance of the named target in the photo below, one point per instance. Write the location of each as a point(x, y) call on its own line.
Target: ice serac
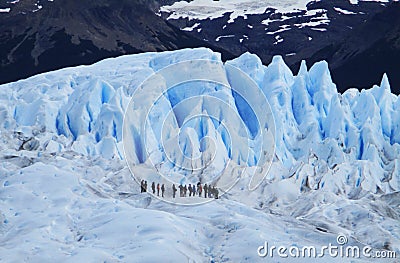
point(83, 108)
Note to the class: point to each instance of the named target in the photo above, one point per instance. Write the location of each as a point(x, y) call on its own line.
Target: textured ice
point(66, 192)
point(86, 106)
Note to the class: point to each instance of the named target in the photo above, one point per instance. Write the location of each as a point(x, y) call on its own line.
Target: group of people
point(209, 191)
point(143, 188)
point(193, 190)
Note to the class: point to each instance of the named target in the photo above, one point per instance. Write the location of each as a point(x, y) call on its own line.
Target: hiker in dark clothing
point(158, 189)
point(190, 190)
point(210, 191)
point(184, 191)
point(142, 186)
point(194, 190)
point(153, 187)
point(181, 190)
point(174, 190)
point(145, 186)
point(216, 192)
point(205, 190)
point(162, 190)
point(198, 188)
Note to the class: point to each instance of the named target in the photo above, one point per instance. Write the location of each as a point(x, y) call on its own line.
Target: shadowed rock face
point(71, 32)
point(359, 47)
point(368, 52)
point(360, 44)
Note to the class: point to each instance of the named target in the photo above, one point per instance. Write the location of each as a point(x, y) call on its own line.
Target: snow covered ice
point(67, 193)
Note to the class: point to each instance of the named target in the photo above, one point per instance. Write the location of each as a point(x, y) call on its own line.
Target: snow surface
point(344, 11)
point(66, 192)
point(227, 36)
point(354, 2)
point(322, 19)
point(191, 27)
point(211, 9)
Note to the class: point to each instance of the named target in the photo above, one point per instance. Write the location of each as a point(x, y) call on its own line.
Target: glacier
point(85, 107)
point(66, 190)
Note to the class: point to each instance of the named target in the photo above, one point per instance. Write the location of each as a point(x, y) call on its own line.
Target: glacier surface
point(67, 193)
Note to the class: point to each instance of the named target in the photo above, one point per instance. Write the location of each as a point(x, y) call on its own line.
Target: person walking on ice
point(174, 191)
point(190, 190)
point(153, 187)
point(143, 186)
point(162, 190)
point(181, 190)
point(194, 190)
point(158, 189)
point(215, 192)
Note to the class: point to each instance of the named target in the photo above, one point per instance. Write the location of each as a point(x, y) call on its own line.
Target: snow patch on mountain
point(191, 28)
point(343, 11)
point(209, 9)
point(354, 2)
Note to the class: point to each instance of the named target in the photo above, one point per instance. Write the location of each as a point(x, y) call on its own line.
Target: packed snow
point(317, 18)
point(211, 9)
point(320, 20)
point(279, 39)
point(190, 28)
point(344, 11)
point(354, 2)
point(226, 36)
point(67, 193)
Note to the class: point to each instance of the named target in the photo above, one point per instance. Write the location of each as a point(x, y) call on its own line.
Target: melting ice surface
point(67, 193)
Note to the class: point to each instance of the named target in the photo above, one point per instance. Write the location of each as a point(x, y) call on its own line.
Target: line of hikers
point(209, 191)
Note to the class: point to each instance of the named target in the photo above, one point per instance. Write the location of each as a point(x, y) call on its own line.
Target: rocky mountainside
point(367, 52)
point(40, 36)
point(359, 39)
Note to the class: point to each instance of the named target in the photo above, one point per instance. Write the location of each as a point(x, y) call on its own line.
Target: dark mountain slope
point(368, 52)
point(360, 41)
point(39, 36)
point(71, 32)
